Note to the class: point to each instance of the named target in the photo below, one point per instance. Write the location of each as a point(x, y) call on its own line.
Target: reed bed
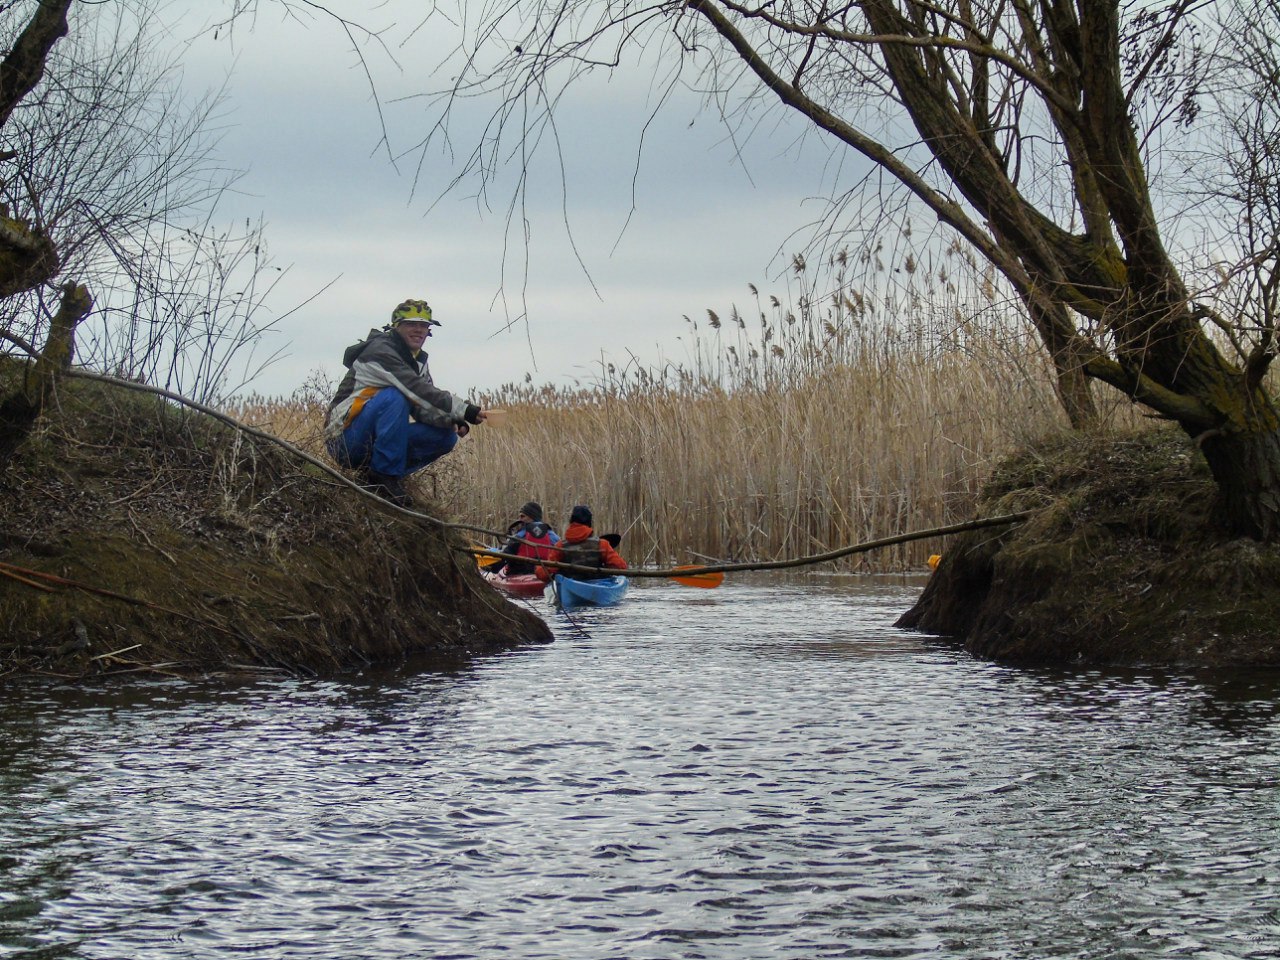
point(795, 434)
point(689, 474)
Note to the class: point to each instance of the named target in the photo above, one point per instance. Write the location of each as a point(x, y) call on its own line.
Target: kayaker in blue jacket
point(529, 537)
point(388, 418)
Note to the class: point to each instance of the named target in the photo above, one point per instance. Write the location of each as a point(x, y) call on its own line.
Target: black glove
point(473, 414)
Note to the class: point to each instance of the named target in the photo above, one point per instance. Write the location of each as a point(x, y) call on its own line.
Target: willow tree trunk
point(1246, 465)
point(1230, 415)
point(18, 411)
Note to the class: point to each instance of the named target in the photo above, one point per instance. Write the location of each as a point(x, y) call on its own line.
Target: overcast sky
point(300, 120)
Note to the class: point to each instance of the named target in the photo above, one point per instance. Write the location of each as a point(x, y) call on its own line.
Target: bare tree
point(27, 255)
point(1052, 137)
point(111, 177)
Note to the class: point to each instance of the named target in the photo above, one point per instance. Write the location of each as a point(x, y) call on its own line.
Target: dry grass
point(788, 436)
point(298, 419)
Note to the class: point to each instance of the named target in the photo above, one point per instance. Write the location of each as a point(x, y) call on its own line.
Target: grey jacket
point(383, 359)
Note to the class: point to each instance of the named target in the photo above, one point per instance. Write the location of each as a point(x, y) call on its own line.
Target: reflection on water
point(766, 769)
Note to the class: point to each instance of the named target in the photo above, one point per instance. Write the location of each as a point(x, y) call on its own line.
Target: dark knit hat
point(532, 510)
point(580, 514)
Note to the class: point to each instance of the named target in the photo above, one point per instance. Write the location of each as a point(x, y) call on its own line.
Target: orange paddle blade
point(707, 580)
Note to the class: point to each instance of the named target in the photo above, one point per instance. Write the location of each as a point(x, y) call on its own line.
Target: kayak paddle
point(484, 563)
point(708, 581)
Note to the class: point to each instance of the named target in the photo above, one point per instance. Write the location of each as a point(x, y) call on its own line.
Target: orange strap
point(358, 404)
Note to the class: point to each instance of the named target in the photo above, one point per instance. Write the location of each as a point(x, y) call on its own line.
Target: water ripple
point(769, 769)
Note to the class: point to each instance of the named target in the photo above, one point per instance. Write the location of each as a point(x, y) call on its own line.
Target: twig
point(114, 653)
point(134, 494)
point(150, 668)
point(30, 583)
point(143, 534)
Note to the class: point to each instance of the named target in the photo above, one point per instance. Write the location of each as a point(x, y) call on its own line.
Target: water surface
point(769, 769)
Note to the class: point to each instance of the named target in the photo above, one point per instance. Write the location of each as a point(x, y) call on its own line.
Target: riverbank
point(138, 536)
point(1118, 564)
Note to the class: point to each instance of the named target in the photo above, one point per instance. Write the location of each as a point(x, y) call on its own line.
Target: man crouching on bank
point(388, 418)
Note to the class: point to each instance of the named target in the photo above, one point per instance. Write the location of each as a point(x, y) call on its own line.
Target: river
point(769, 769)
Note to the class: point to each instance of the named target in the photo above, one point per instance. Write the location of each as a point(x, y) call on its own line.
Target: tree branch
point(806, 561)
point(1176, 406)
point(283, 444)
point(23, 67)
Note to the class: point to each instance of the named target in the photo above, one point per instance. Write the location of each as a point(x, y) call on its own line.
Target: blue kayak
point(589, 593)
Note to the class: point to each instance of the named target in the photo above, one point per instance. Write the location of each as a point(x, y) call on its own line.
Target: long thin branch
point(33, 578)
point(827, 557)
point(932, 42)
point(25, 345)
point(285, 444)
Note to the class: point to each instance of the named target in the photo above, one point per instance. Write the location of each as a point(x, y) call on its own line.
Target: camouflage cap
point(418, 310)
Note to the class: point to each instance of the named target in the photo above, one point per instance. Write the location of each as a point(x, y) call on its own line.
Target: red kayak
point(526, 585)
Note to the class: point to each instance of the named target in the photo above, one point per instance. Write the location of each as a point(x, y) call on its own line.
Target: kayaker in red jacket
point(581, 546)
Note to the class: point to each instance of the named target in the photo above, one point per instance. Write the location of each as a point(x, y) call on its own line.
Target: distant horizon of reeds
point(799, 432)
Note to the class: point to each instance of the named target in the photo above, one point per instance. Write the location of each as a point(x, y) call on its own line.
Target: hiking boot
point(388, 487)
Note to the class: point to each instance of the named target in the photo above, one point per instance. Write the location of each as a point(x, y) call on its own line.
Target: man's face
point(414, 333)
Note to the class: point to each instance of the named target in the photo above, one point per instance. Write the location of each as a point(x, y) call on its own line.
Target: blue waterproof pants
point(384, 439)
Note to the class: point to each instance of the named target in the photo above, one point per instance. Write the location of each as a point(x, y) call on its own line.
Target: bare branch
point(23, 66)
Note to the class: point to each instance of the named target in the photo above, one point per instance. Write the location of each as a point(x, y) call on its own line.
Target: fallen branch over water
point(693, 571)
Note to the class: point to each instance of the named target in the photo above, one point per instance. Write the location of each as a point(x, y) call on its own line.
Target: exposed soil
point(1120, 564)
point(193, 548)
